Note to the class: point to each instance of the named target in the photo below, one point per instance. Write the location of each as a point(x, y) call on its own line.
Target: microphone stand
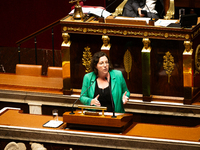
point(113, 105)
point(151, 22)
point(101, 19)
point(72, 112)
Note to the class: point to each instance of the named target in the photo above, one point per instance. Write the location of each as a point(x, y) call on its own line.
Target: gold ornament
point(87, 57)
point(168, 64)
point(127, 62)
point(64, 28)
point(84, 30)
point(197, 60)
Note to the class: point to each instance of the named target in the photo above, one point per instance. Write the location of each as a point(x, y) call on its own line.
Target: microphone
point(107, 7)
point(149, 12)
point(151, 21)
point(72, 112)
point(113, 105)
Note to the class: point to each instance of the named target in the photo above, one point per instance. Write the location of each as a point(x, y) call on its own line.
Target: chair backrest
point(30, 70)
point(55, 72)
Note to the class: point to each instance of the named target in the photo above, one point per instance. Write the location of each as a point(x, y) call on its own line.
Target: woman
point(102, 76)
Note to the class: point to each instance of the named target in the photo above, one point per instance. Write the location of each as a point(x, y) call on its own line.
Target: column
point(146, 70)
point(188, 72)
point(65, 48)
point(106, 45)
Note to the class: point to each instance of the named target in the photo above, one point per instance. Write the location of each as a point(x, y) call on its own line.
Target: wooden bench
point(30, 70)
point(31, 81)
point(54, 72)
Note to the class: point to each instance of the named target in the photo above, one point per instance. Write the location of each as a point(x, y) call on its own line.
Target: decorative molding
point(87, 57)
point(168, 64)
point(196, 33)
point(197, 60)
point(127, 62)
point(164, 35)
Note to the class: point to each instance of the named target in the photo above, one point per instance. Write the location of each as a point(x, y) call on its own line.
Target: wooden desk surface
point(19, 126)
point(31, 81)
point(127, 30)
point(16, 118)
point(166, 132)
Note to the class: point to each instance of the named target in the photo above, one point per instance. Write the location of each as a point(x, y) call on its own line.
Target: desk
point(183, 82)
point(27, 127)
point(31, 81)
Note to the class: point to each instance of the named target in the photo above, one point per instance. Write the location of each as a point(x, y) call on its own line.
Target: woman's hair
point(95, 60)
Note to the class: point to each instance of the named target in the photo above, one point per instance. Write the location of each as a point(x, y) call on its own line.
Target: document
point(53, 124)
point(165, 23)
point(98, 11)
point(134, 18)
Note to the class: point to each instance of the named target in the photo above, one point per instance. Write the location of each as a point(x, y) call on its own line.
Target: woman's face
point(103, 65)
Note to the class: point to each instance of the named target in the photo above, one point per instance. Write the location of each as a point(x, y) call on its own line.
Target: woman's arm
point(85, 99)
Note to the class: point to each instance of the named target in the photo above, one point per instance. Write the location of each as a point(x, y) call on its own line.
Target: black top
point(104, 97)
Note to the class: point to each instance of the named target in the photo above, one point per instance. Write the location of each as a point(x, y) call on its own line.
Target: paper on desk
point(98, 11)
point(53, 124)
point(135, 18)
point(164, 23)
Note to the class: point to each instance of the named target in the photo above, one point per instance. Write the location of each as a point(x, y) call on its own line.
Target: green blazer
point(118, 88)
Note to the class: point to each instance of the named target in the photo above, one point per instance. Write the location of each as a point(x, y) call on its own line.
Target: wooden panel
point(182, 3)
point(197, 3)
point(166, 132)
point(148, 130)
point(24, 120)
point(31, 81)
point(30, 70)
point(124, 20)
point(134, 45)
point(129, 37)
point(79, 42)
point(54, 72)
point(187, 3)
point(107, 121)
point(160, 85)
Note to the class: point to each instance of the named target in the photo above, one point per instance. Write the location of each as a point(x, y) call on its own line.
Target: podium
point(97, 121)
point(149, 78)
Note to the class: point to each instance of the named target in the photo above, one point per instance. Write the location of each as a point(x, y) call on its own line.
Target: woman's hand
point(140, 13)
point(125, 99)
point(95, 101)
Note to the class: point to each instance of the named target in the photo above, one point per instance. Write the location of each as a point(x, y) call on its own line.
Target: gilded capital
point(66, 39)
point(188, 47)
point(106, 42)
point(147, 47)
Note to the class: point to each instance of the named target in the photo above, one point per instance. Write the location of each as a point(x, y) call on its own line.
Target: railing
point(34, 35)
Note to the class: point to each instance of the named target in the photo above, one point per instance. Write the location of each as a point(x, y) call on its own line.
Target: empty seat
point(54, 72)
point(30, 70)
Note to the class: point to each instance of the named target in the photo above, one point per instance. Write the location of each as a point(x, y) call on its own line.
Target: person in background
point(99, 79)
point(140, 8)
